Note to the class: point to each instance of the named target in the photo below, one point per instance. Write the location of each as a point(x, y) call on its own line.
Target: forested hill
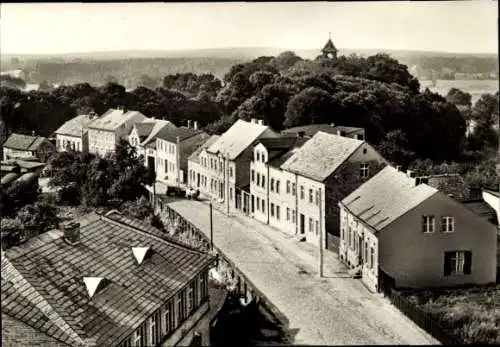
point(127, 67)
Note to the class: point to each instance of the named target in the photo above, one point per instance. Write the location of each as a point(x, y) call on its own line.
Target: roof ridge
point(12, 274)
point(137, 229)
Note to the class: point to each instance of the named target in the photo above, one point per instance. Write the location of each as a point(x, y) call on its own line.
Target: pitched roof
point(112, 119)
point(170, 134)
point(281, 148)
point(449, 184)
point(195, 156)
point(329, 46)
point(144, 128)
point(482, 209)
point(237, 138)
point(49, 273)
point(386, 196)
point(311, 129)
point(24, 142)
point(76, 126)
point(321, 156)
point(23, 164)
point(159, 124)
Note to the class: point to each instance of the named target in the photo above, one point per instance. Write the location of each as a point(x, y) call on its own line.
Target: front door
point(302, 223)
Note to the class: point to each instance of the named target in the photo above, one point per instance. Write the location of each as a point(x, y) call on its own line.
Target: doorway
point(151, 163)
point(302, 223)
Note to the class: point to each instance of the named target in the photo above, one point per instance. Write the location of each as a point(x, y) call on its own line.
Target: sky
point(445, 26)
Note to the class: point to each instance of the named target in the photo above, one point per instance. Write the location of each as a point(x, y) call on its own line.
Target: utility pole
point(320, 235)
point(211, 228)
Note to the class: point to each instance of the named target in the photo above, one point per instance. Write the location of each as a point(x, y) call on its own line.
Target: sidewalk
point(335, 309)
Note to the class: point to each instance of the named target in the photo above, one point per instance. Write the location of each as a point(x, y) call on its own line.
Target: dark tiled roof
point(195, 156)
point(76, 126)
point(144, 129)
point(55, 270)
point(329, 46)
point(170, 134)
point(281, 148)
point(482, 209)
point(23, 142)
point(452, 185)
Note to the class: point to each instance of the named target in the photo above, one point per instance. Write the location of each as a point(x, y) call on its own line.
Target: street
point(336, 309)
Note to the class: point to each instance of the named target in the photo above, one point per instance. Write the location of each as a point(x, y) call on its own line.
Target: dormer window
point(140, 253)
point(257, 156)
point(364, 170)
point(94, 285)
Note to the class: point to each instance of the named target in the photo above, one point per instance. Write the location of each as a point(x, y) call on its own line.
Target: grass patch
point(472, 313)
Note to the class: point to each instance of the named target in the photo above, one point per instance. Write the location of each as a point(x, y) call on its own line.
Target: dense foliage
point(96, 181)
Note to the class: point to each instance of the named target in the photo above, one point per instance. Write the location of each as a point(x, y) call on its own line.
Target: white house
point(19, 146)
point(319, 174)
point(105, 131)
point(74, 133)
point(196, 169)
point(403, 233)
point(226, 164)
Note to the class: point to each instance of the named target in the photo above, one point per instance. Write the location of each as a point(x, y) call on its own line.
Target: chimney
point(398, 167)
point(32, 132)
point(189, 124)
point(260, 122)
point(153, 118)
point(72, 233)
point(410, 173)
point(195, 125)
point(332, 124)
point(253, 121)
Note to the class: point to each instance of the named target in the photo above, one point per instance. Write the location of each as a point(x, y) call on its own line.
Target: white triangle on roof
point(92, 283)
point(140, 253)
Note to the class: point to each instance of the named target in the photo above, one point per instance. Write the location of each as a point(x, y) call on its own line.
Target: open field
point(473, 314)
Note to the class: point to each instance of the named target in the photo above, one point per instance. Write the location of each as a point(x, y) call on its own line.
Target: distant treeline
point(447, 67)
point(126, 72)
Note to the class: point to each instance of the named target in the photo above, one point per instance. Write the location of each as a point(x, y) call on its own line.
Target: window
point(447, 224)
point(253, 175)
point(231, 171)
point(258, 179)
point(263, 206)
point(310, 196)
point(428, 224)
point(287, 214)
point(364, 171)
point(288, 187)
point(140, 336)
point(293, 216)
point(211, 163)
point(257, 156)
point(343, 234)
point(263, 181)
point(366, 252)
point(317, 227)
point(311, 225)
point(457, 263)
point(317, 198)
point(203, 286)
point(302, 192)
point(272, 209)
point(372, 258)
point(350, 237)
point(272, 184)
point(277, 212)
point(230, 193)
point(155, 328)
point(277, 186)
point(215, 165)
point(190, 300)
point(169, 317)
point(293, 189)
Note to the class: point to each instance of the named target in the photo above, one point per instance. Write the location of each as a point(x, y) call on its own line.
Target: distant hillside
point(126, 67)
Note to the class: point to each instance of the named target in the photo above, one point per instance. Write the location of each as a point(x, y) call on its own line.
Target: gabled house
point(74, 133)
point(25, 147)
point(267, 187)
point(107, 130)
point(309, 131)
point(196, 177)
point(226, 164)
point(492, 198)
point(403, 233)
point(173, 147)
point(106, 281)
point(142, 136)
point(322, 172)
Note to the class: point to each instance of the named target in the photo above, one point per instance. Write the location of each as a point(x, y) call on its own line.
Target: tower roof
point(329, 47)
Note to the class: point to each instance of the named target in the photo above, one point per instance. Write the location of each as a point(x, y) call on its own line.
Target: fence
point(424, 320)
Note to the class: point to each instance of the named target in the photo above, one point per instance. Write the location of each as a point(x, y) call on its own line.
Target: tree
point(311, 106)
point(458, 97)
point(394, 148)
point(44, 86)
point(286, 60)
point(38, 218)
point(139, 208)
point(147, 82)
point(111, 79)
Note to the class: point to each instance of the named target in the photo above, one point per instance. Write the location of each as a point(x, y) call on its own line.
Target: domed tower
point(329, 51)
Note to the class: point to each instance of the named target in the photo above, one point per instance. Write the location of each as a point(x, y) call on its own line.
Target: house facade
point(225, 164)
point(197, 167)
point(74, 134)
point(18, 146)
point(419, 237)
point(85, 301)
point(173, 147)
point(106, 131)
point(318, 175)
